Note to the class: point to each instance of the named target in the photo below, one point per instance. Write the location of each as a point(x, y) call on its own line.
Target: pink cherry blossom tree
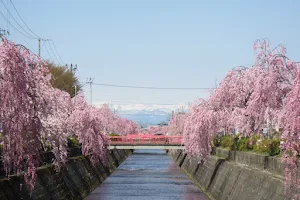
point(198, 130)
point(55, 128)
point(230, 100)
point(34, 115)
point(263, 95)
point(22, 110)
point(290, 123)
point(88, 124)
point(274, 76)
point(176, 125)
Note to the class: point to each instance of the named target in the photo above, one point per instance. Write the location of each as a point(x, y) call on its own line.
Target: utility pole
point(90, 81)
point(39, 41)
point(75, 87)
point(216, 83)
point(39, 47)
point(71, 67)
point(4, 32)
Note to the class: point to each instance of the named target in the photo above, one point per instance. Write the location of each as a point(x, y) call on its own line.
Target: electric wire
point(151, 88)
point(8, 3)
point(17, 21)
point(15, 27)
point(34, 35)
point(57, 51)
point(50, 57)
point(22, 19)
point(145, 103)
point(53, 52)
point(35, 51)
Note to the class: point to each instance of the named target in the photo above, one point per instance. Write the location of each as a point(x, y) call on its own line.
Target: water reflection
point(147, 174)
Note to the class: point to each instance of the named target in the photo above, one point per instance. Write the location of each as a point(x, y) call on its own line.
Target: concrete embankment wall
point(235, 175)
point(75, 181)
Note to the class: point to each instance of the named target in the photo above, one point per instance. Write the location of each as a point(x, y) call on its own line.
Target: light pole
point(72, 69)
point(90, 82)
point(75, 87)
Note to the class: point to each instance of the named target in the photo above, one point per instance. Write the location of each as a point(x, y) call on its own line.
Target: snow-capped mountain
point(146, 114)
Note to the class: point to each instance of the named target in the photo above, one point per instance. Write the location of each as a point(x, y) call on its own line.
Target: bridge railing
point(138, 140)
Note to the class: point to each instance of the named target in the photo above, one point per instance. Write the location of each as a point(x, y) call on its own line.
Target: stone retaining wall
point(235, 175)
point(75, 181)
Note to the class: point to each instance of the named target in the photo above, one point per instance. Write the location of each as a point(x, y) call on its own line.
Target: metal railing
point(146, 140)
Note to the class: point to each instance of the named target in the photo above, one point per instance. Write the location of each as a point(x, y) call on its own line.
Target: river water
point(147, 175)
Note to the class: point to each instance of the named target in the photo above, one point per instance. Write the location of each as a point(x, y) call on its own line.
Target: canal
point(147, 174)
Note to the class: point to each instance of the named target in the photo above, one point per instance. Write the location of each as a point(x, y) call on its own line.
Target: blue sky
point(159, 43)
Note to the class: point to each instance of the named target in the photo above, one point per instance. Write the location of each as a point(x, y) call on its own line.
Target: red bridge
point(146, 142)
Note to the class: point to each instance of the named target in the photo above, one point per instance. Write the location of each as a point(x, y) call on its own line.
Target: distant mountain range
point(146, 114)
point(146, 118)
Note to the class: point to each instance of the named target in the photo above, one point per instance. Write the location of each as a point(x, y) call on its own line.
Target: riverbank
point(75, 181)
point(235, 175)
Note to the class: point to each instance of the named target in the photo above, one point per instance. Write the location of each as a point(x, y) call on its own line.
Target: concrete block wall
point(75, 181)
point(230, 175)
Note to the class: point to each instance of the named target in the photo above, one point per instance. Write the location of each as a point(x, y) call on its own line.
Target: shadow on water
point(147, 174)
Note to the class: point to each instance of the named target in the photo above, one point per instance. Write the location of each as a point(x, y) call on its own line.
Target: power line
point(15, 27)
point(33, 35)
point(16, 21)
point(30, 47)
point(146, 103)
point(8, 3)
point(53, 52)
point(57, 51)
point(22, 19)
point(47, 49)
point(151, 88)
point(50, 57)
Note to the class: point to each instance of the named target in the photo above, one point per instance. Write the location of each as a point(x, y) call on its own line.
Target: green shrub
point(252, 141)
point(265, 146)
point(229, 142)
point(226, 141)
point(241, 144)
point(262, 146)
point(255, 143)
point(113, 134)
point(249, 144)
point(235, 139)
point(73, 142)
point(274, 147)
point(216, 141)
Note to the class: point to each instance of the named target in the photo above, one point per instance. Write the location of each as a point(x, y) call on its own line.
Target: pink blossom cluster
point(35, 116)
point(176, 125)
point(152, 130)
point(265, 95)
